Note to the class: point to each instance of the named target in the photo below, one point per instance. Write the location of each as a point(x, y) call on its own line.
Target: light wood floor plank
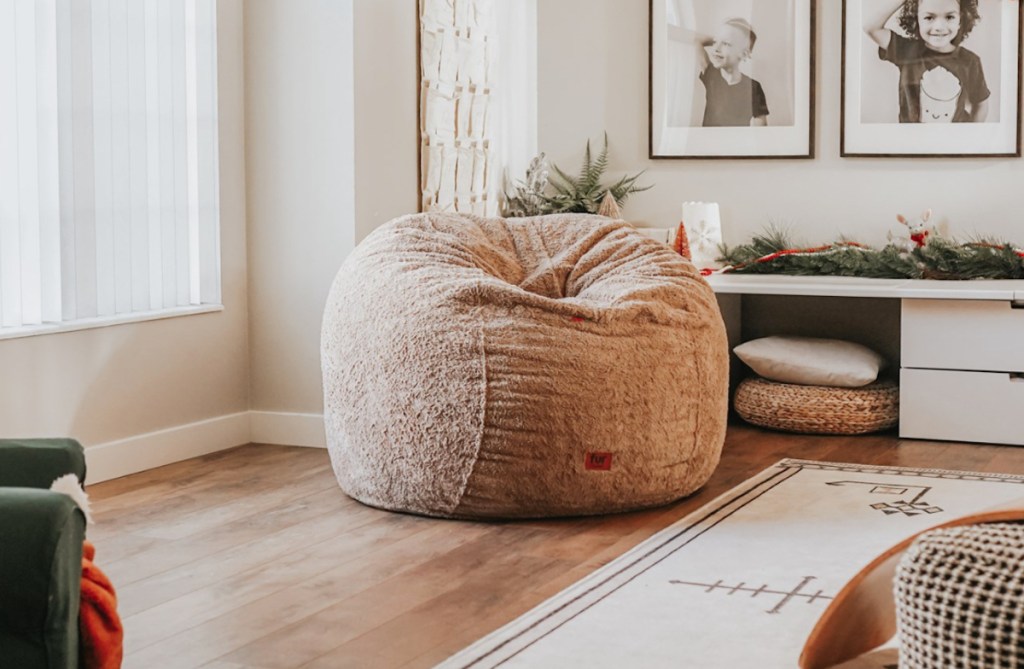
point(279, 593)
point(153, 557)
point(385, 599)
point(268, 549)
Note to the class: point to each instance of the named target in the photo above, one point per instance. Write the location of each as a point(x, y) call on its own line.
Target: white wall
point(112, 387)
point(301, 204)
point(593, 77)
point(386, 83)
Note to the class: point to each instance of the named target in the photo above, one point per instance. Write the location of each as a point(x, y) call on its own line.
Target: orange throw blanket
point(102, 636)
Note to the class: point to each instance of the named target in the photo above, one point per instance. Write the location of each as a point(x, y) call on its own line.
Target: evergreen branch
point(772, 252)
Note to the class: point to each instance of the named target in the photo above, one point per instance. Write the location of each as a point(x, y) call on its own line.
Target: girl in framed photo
point(940, 81)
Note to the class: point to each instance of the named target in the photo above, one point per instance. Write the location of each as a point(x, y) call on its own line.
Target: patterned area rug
point(741, 581)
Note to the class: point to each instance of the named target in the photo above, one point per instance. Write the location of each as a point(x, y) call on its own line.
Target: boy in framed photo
point(941, 81)
point(731, 97)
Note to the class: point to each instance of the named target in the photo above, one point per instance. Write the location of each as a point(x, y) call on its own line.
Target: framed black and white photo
point(931, 78)
point(731, 79)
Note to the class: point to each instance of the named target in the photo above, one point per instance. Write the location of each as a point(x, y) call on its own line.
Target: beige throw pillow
point(812, 362)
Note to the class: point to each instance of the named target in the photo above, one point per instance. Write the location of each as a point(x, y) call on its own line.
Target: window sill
point(106, 321)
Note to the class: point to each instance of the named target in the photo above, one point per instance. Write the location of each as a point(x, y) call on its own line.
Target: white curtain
point(515, 99)
point(680, 64)
point(108, 158)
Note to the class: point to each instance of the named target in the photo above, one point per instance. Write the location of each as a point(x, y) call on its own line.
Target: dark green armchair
point(41, 534)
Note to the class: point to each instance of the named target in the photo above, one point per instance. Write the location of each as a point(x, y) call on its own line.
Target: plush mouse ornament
point(918, 230)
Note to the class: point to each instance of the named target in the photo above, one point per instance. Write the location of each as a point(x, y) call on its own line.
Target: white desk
point(961, 348)
point(842, 286)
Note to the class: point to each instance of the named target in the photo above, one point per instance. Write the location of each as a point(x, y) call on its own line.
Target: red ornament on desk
point(682, 242)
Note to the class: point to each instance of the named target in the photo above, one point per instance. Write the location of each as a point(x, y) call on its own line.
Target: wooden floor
point(254, 558)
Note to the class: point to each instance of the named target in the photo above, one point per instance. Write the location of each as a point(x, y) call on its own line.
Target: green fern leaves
point(560, 192)
point(583, 194)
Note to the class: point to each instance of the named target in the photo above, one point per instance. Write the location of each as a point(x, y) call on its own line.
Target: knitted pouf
point(960, 599)
point(546, 366)
point(818, 409)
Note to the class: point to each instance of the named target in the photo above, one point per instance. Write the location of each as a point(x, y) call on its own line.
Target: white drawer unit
point(963, 334)
point(962, 406)
point(961, 349)
point(962, 375)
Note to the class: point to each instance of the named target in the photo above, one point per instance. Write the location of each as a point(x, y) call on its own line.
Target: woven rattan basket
point(818, 409)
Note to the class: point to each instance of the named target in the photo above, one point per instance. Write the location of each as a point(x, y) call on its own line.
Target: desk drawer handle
point(1017, 304)
point(1017, 377)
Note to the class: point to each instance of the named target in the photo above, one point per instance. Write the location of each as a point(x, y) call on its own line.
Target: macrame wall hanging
point(458, 161)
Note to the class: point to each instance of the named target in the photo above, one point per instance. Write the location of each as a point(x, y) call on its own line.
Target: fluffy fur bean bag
point(547, 366)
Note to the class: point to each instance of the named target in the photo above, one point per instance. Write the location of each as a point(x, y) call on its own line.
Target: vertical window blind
point(108, 158)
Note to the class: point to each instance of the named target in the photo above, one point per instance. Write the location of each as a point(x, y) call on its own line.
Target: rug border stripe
point(905, 471)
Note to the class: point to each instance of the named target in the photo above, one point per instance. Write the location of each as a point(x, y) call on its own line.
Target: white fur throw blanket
point(546, 366)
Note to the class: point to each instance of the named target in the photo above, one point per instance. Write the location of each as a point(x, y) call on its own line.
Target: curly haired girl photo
point(940, 80)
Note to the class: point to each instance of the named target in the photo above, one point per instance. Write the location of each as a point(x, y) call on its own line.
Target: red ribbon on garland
point(1001, 247)
point(814, 250)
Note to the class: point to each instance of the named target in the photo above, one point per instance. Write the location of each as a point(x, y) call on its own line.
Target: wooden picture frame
point(700, 86)
point(929, 93)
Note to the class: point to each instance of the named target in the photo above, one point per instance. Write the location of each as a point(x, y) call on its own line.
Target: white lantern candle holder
point(703, 224)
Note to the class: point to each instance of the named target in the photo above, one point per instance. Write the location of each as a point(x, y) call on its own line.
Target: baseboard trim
point(288, 429)
point(155, 449)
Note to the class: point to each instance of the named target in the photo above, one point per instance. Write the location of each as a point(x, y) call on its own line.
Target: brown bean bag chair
point(548, 366)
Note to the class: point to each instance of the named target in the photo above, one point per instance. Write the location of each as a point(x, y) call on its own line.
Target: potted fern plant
point(558, 192)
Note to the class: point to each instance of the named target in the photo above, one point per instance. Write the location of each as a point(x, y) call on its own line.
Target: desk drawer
point(962, 406)
point(983, 335)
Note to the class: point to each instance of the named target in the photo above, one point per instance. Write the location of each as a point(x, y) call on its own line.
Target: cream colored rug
point(741, 581)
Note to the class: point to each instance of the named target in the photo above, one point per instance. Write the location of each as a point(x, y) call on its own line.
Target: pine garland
point(945, 259)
